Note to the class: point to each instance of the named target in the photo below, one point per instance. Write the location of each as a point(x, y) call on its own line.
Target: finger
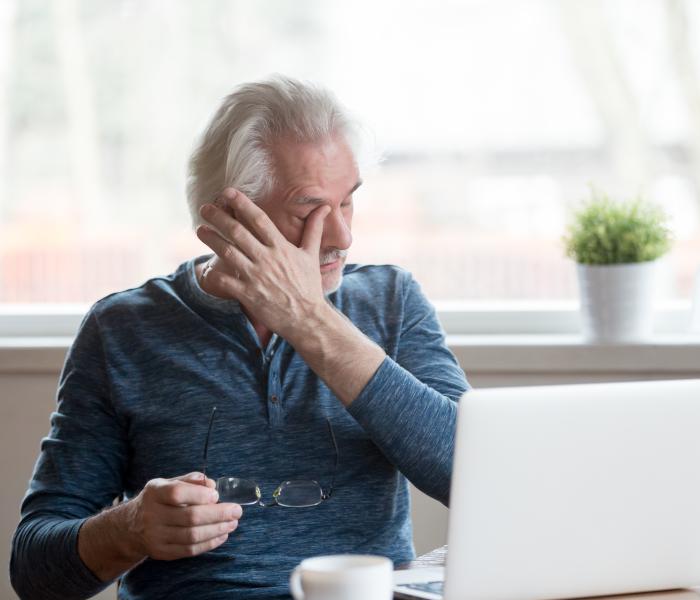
point(187, 536)
point(232, 230)
point(252, 216)
point(194, 516)
point(313, 231)
point(195, 477)
point(175, 551)
point(176, 493)
point(233, 258)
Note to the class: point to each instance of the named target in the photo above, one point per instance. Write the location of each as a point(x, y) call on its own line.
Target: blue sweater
point(134, 400)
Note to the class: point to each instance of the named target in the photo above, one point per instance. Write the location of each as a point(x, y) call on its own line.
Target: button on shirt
point(134, 398)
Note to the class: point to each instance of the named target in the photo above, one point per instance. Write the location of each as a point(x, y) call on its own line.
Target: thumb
point(313, 232)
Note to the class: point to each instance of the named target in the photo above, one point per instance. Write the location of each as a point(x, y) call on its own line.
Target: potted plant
point(617, 246)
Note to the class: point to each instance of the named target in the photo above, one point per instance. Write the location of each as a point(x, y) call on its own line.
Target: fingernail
point(214, 496)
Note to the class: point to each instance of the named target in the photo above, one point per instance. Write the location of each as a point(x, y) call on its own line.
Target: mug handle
point(295, 584)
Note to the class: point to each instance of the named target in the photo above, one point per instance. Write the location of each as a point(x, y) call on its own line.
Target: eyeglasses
point(296, 493)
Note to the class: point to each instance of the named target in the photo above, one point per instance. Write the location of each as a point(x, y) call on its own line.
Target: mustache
point(330, 256)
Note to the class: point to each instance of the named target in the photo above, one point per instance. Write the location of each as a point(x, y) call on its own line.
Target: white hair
point(235, 148)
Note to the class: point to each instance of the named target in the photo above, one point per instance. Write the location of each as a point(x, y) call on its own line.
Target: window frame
point(479, 318)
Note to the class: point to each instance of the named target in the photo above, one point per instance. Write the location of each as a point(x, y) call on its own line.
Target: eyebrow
point(312, 200)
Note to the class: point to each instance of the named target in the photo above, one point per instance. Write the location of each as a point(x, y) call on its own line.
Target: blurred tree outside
point(493, 118)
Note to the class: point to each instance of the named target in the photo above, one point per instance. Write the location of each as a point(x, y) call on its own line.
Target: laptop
point(570, 491)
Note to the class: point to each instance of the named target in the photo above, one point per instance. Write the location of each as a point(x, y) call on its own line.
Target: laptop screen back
point(579, 490)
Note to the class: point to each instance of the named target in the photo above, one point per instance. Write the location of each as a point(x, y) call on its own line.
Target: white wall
point(28, 380)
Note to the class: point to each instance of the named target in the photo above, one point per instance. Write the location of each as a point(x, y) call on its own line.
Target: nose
point(336, 231)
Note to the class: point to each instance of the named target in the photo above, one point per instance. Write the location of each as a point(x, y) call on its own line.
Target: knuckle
point(260, 221)
point(228, 513)
point(153, 485)
point(228, 253)
point(174, 495)
point(190, 516)
point(236, 229)
point(227, 527)
point(192, 536)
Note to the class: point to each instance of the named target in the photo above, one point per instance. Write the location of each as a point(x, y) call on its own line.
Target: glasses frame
point(325, 495)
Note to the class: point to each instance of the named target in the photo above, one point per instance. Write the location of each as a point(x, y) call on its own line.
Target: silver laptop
point(571, 491)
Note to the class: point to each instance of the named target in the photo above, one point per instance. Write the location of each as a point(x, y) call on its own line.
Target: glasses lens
point(240, 491)
point(298, 494)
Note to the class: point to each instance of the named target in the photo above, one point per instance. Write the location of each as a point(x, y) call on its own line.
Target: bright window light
point(493, 119)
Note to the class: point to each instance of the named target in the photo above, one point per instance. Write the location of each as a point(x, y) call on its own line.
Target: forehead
point(328, 166)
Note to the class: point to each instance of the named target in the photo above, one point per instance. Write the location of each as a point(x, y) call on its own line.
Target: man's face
point(310, 175)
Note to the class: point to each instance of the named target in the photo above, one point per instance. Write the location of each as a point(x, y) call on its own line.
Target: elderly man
point(311, 390)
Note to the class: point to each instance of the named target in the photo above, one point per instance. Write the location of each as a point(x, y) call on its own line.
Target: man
point(299, 352)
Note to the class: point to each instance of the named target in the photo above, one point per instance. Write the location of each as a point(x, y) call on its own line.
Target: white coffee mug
point(343, 577)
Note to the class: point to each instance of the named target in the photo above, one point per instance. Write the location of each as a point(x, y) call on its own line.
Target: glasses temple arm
point(337, 457)
point(206, 442)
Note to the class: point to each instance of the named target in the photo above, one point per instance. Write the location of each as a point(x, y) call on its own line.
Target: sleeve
point(409, 406)
point(78, 473)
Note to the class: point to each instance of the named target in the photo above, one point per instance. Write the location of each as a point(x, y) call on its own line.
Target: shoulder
point(389, 283)
point(375, 278)
point(373, 291)
point(155, 296)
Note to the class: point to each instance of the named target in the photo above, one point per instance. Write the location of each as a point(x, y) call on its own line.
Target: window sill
point(554, 353)
point(550, 353)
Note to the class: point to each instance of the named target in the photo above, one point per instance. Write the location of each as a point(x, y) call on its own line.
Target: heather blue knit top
point(134, 399)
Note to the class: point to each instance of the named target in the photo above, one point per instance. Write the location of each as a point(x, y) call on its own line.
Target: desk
point(437, 557)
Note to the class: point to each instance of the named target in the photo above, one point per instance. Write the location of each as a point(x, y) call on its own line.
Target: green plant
point(604, 232)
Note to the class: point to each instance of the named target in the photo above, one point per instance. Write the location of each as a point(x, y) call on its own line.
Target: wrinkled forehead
point(328, 165)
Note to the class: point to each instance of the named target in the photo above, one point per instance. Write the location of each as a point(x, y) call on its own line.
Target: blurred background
point(493, 119)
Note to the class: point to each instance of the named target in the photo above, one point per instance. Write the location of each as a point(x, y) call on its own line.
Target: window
point(494, 117)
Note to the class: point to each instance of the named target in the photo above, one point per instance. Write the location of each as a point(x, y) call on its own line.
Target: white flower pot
point(617, 301)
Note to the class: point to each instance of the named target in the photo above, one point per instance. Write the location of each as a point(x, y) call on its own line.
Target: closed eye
point(305, 217)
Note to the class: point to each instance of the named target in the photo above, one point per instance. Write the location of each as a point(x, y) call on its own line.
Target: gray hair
point(234, 149)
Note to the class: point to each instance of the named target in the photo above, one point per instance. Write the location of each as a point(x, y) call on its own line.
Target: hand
point(179, 517)
point(278, 283)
